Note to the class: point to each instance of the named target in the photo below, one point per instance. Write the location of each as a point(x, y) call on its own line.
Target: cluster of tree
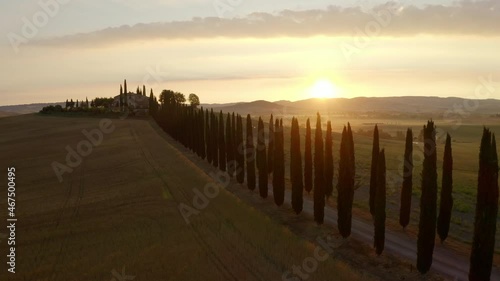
point(216, 137)
point(51, 108)
point(85, 105)
point(79, 106)
point(71, 105)
point(219, 138)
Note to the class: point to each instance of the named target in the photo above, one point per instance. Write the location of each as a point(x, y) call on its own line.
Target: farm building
point(138, 104)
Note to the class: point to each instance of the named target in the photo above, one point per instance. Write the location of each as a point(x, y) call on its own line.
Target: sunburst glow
point(324, 89)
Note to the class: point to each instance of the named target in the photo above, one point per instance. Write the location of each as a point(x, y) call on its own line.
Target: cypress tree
point(262, 159)
point(233, 136)
point(406, 191)
point(279, 165)
point(250, 155)
point(373, 171)
point(125, 91)
point(229, 146)
point(296, 167)
point(240, 154)
point(483, 245)
point(200, 134)
point(214, 129)
point(208, 138)
point(379, 205)
point(204, 134)
point(308, 182)
point(428, 201)
point(443, 223)
point(222, 143)
point(345, 185)
point(67, 103)
point(143, 90)
point(121, 98)
point(351, 157)
point(328, 160)
point(319, 174)
point(270, 151)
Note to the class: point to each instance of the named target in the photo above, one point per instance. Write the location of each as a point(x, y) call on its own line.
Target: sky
point(242, 50)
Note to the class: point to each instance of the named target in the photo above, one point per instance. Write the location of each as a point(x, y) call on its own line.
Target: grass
point(119, 209)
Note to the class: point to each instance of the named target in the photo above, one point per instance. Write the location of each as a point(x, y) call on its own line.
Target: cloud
point(391, 19)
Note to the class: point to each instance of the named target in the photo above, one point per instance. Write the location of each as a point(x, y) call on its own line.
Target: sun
point(323, 89)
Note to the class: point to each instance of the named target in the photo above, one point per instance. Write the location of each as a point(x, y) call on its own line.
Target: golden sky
point(388, 50)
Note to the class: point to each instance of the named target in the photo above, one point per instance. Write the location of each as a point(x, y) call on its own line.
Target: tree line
point(247, 155)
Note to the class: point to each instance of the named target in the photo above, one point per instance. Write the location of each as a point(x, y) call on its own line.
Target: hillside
point(25, 108)
point(363, 104)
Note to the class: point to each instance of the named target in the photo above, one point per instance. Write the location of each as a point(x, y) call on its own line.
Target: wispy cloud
point(463, 18)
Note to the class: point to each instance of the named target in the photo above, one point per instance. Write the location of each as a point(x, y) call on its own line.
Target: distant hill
point(257, 107)
point(26, 108)
point(364, 104)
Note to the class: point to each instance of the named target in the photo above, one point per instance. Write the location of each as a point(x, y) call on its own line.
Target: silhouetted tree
point(229, 146)
point(214, 127)
point(208, 138)
point(143, 90)
point(169, 97)
point(194, 100)
point(250, 154)
point(296, 167)
point(406, 190)
point(483, 245)
point(373, 171)
point(379, 205)
point(86, 102)
point(201, 138)
point(233, 139)
point(279, 165)
point(319, 173)
point(77, 106)
point(428, 201)
point(443, 223)
point(270, 151)
point(328, 160)
point(240, 151)
point(67, 104)
point(345, 186)
point(125, 91)
point(121, 98)
point(222, 143)
point(153, 104)
point(308, 182)
point(262, 159)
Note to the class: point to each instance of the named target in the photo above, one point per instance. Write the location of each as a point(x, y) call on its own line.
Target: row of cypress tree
point(225, 147)
point(430, 221)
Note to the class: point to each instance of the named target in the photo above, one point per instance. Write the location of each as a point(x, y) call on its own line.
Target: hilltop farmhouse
point(138, 104)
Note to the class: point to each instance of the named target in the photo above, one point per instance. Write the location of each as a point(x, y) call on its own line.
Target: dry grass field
point(116, 214)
